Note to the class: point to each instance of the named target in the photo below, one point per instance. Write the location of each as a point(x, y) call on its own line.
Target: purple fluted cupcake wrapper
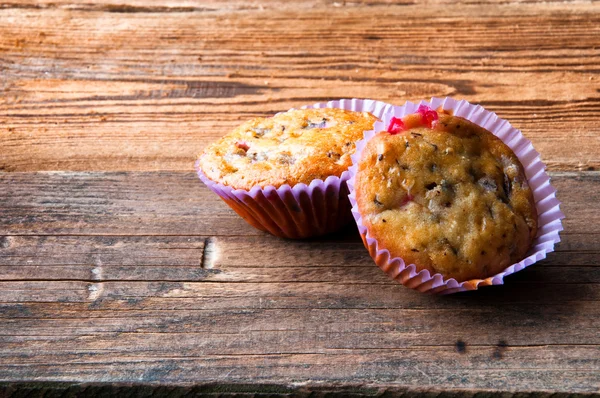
point(303, 210)
point(547, 205)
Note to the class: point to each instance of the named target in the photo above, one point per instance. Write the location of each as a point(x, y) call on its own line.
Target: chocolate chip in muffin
point(258, 156)
point(319, 125)
point(488, 184)
point(334, 155)
point(507, 185)
point(447, 186)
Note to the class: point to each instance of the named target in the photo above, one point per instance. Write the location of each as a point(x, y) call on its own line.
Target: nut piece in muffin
point(446, 195)
point(294, 147)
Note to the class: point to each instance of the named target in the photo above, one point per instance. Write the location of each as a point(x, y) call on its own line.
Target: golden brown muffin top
point(294, 147)
point(446, 195)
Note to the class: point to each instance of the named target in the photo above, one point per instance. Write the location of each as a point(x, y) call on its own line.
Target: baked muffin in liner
point(302, 210)
point(547, 205)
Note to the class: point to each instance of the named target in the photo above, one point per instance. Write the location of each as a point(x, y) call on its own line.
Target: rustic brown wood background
point(117, 267)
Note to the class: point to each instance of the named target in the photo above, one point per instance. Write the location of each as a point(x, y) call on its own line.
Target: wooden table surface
point(121, 273)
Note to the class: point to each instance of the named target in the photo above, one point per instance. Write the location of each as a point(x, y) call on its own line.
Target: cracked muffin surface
point(293, 147)
point(446, 195)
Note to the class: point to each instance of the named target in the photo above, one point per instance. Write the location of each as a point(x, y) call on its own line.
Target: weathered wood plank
point(362, 272)
point(236, 259)
point(283, 330)
point(184, 6)
point(70, 101)
point(214, 295)
point(493, 368)
point(114, 203)
point(177, 203)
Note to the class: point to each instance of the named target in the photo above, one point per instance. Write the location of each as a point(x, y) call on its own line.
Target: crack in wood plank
point(95, 290)
point(210, 253)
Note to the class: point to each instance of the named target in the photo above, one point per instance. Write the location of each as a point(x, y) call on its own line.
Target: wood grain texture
point(145, 86)
point(121, 274)
point(176, 203)
point(89, 295)
point(227, 259)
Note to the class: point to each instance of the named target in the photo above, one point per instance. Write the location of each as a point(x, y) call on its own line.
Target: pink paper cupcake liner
point(300, 211)
point(547, 205)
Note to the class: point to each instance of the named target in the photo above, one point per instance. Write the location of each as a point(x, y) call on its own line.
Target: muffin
point(294, 147)
point(292, 168)
point(446, 195)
